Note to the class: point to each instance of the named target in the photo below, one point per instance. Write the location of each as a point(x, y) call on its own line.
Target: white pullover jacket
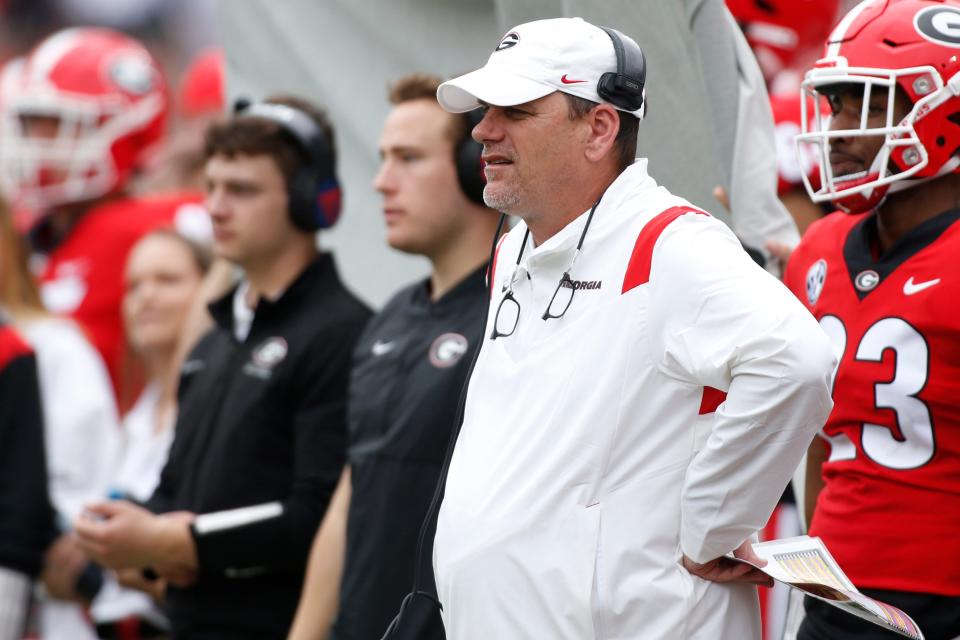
point(590, 456)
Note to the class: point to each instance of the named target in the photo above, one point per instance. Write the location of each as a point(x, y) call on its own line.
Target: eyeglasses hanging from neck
point(508, 311)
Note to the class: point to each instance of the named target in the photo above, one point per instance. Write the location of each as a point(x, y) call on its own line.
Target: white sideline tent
point(709, 122)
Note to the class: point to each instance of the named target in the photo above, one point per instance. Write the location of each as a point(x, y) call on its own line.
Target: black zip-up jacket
point(261, 423)
point(26, 515)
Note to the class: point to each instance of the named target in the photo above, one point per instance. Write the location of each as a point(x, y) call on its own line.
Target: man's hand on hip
point(726, 569)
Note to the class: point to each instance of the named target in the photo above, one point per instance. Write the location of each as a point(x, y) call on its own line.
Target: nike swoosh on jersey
point(910, 287)
point(381, 348)
point(565, 80)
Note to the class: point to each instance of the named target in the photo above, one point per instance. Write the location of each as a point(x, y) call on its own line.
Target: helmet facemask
point(77, 163)
point(902, 160)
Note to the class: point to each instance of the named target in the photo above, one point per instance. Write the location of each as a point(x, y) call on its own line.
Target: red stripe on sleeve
point(638, 269)
point(492, 269)
point(12, 346)
point(712, 398)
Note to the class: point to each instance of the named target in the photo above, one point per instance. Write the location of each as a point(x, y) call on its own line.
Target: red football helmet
point(89, 105)
point(879, 46)
point(779, 30)
point(201, 90)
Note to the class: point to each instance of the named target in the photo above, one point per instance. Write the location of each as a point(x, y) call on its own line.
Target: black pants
point(937, 616)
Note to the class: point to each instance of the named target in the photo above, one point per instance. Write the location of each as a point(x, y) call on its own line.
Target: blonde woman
point(163, 278)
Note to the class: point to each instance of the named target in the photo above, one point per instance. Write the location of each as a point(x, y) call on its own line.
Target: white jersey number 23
point(916, 446)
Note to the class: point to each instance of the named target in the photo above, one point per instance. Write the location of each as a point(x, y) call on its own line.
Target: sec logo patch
point(816, 276)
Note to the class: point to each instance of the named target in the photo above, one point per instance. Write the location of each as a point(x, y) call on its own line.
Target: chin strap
point(950, 166)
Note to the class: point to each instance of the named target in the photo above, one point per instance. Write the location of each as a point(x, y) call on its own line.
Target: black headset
point(313, 191)
point(467, 154)
point(623, 88)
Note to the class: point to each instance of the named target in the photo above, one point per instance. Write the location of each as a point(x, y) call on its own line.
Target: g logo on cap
point(509, 40)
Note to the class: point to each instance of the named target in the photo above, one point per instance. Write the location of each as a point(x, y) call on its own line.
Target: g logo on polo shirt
point(265, 357)
point(447, 350)
point(270, 353)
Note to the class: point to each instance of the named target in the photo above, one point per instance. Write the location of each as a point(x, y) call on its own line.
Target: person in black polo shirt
point(408, 369)
point(261, 431)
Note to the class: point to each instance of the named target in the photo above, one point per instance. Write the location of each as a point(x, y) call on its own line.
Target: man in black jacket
point(26, 516)
point(261, 431)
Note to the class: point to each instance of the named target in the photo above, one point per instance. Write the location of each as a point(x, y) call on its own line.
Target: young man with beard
point(408, 371)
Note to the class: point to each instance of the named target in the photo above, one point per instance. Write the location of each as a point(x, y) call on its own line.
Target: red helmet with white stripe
point(885, 46)
point(779, 30)
point(102, 100)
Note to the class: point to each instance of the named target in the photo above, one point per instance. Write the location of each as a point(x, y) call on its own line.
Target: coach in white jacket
point(600, 475)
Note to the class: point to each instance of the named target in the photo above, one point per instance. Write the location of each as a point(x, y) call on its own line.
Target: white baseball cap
point(533, 60)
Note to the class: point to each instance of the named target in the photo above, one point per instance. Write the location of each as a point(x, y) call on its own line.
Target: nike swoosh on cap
point(566, 80)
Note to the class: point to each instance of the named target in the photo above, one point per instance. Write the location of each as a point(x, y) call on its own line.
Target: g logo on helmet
point(816, 276)
point(939, 25)
point(133, 74)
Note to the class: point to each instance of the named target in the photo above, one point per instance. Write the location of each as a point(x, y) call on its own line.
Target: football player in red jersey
point(881, 278)
point(781, 31)
point(85, 109)
point(785, 36)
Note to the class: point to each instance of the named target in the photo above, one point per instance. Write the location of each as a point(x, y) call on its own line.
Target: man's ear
point(604, 123)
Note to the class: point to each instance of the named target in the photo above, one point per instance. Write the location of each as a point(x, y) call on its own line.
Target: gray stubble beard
point(503, 202)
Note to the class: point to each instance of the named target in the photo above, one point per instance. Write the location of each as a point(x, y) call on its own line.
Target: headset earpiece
point(624, 87)
point(313, 191)
point(467, 158)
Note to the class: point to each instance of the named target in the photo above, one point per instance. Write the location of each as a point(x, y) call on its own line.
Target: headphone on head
point(313, 191)
point(623, 88)
point(466, 156)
